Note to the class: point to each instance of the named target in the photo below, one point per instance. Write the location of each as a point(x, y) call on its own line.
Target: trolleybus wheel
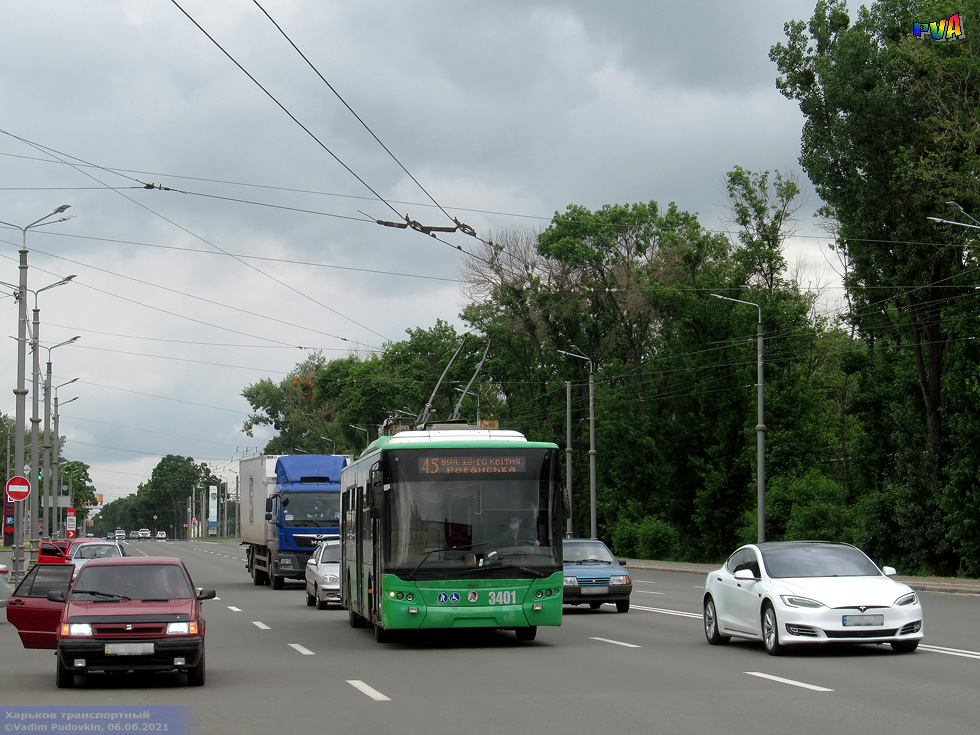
point(526, 634)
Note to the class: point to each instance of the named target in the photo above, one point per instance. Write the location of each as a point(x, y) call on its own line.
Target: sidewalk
point(920, 584)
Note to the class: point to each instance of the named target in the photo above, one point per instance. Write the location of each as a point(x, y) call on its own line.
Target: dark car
point(594, 576)
point(119, 614)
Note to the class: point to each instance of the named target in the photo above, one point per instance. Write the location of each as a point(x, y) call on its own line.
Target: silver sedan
point(323, 575)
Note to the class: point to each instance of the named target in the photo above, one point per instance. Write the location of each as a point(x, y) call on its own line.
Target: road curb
point(950, 585)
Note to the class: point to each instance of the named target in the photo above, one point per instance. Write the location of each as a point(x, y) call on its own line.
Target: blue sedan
point(594, 576)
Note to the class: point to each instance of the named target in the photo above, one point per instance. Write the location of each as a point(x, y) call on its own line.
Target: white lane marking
point(667, 612)
point(649, 592)
point(950, 651)
point(302, 649)
point(615, 643)
point(370, 691)
point(802, 685)
point(260, 625)
point(234, 609)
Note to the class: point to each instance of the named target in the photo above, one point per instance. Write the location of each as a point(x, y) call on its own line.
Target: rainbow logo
point(946, 29)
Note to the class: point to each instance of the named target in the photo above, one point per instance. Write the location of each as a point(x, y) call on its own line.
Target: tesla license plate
point(863, 620)
point(128, 649)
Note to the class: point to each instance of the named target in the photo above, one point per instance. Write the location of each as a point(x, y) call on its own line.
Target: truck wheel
point(277, 581)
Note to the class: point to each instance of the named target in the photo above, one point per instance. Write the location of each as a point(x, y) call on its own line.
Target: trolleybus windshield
point(451, 510)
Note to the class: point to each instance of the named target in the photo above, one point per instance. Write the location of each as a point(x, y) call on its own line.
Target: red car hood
point(128, 608)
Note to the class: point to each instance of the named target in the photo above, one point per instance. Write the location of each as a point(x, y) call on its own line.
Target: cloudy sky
point(263, 245)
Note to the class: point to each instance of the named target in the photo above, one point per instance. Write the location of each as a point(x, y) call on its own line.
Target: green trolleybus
point(452, 527)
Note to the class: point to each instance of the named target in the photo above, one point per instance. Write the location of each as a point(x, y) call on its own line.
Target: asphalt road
point(278, 666)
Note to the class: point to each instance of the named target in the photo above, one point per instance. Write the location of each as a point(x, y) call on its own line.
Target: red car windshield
point(132, 581)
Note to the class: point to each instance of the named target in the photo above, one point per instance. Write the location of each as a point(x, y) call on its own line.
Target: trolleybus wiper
point(506, 565)
point(411, 574)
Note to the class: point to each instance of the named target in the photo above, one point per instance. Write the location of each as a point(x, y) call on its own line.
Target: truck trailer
point(289, 504)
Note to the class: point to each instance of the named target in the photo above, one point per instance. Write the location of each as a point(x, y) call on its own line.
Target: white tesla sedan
point(793, 592)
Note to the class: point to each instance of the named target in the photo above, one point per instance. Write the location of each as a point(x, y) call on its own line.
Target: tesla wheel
point(623, 606)
point(64, 677)
point(595, 605)
point(904, 646)
point(770, 631)
point(526, 634)
point(711, 624)
point(310, 599)
point(197, 674)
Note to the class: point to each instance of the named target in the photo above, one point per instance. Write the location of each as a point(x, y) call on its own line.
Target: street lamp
point(367, 436)
point(56, 460)
point(35, 418)
point(333, 444)
point(46, 446)
point(21, 391)
point(760, 428)
point(592, 494)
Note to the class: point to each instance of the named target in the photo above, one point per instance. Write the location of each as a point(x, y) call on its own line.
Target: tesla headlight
point(909, 599)
point(182, 628)
point(76, 629)
point(619, 579)
point(794, 601)
point(571, 581)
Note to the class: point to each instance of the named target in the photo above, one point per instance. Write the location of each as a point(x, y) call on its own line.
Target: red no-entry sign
point(18, 488)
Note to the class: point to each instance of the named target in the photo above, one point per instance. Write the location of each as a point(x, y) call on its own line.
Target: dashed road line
point(302, 649)
point(368, 690)
point(791, 682)
point(234, 609)
point(662, 611)
point(260, 625)
point(615, 643)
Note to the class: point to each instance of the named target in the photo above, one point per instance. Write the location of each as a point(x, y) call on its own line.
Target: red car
point(119, 614)
point(53, 552)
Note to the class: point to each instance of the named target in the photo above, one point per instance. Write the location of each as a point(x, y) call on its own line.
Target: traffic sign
point(18, 488)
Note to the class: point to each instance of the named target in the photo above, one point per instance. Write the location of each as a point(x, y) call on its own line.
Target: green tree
point(889, 136)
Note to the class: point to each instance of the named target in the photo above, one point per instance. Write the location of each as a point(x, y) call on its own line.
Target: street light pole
point(49, 504)
point(760, 428)
point(56, 460)
point(21, 390)
point(592, 453)
point(36, 504)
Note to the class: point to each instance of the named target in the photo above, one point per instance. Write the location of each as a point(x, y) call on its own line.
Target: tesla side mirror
point(206, 594)
point(745, 575)
point(889, 571)
point(56, 595)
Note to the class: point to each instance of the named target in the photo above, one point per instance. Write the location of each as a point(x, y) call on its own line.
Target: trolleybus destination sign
point(487, 464)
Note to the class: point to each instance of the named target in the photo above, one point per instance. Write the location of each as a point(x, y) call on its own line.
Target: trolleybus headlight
point(409, 596)
point(547, 593)
point(539, 593)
